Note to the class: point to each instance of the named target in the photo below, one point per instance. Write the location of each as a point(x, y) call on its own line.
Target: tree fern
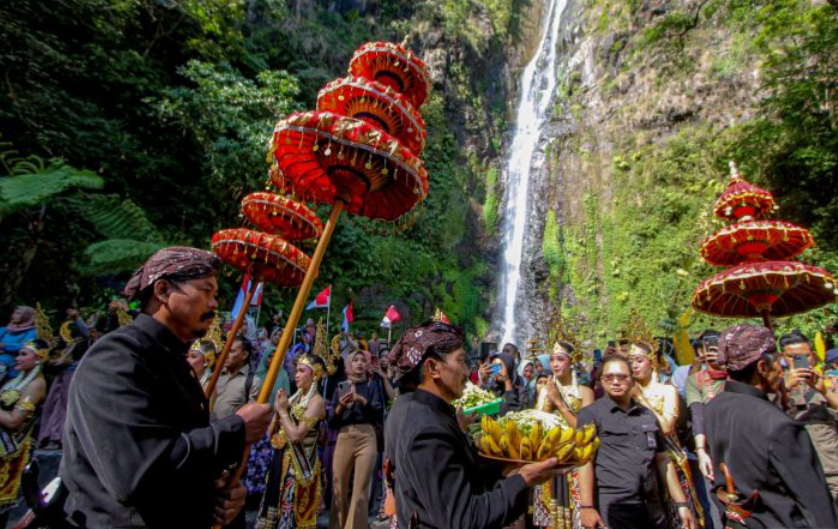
point(114, 256)
point(115, 218)
point(33, 183)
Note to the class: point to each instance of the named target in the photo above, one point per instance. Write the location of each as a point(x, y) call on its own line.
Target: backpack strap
point(248, 386)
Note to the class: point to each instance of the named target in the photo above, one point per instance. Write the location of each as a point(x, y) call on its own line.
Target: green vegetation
point(640, 249)
point(155, 118)
point(490, 206)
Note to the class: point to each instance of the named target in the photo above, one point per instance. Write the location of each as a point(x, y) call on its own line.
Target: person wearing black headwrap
point(769, 455)
point(139, 449)
point(437, 479)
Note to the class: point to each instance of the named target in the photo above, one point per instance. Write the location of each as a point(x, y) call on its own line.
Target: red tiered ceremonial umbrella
point(378, 105)
point(761, 282)
point(336, 159)
point(394, 66)
point(775, 288)
point(281, 216)
point(353, 164)
point(757, 240)
point(266, 257)
point(742, 200)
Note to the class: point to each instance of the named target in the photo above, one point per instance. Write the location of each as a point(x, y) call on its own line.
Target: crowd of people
point(744, 436)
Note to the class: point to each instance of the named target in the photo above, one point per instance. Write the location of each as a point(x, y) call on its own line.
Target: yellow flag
point(684, 353)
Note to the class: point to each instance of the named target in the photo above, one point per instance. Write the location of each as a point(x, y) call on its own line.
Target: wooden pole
point(291, 324)
point(766, 320)
point(299, 304)
point(237, 325)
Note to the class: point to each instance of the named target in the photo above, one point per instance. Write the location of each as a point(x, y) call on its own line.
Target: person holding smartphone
point(502, 380)
point(357, 406)
point(808, 400)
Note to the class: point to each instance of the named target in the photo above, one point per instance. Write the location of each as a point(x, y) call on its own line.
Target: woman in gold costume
point(201, 357)
point(19, 398)
point(556, 503)
point(663, 401)
point(292, 493)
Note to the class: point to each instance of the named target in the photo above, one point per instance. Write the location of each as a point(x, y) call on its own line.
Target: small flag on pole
point(323, 299)
point(254, 302)
point(390, 317)
point(348, 317)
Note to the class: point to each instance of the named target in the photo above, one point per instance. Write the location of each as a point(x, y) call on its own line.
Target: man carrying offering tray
point(439, 481)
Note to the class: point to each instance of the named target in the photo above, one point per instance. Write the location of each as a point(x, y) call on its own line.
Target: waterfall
point(538, 84)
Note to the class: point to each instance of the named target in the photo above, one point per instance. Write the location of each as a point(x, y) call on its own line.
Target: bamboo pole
point(291, 324)
point(237, 325)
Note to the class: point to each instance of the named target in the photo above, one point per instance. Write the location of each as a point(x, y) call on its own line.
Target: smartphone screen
point(801, 362)
point(496, 369)
point(374, 360)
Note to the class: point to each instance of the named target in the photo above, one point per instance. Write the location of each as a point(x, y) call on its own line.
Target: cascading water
point(538, 83)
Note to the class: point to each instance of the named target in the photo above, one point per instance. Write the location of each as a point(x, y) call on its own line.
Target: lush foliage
point(646, 238)
point(161, 113)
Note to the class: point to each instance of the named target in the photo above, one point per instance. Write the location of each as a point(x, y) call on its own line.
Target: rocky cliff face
point(632, 132)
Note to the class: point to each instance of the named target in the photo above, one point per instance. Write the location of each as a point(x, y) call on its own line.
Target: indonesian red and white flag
point(322, 300)
point(348, 317)
point(390, 317)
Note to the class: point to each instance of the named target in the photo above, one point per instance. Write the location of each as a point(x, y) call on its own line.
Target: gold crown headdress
point(331, 359)
point(43, 329)
point(323, 352)
point(42, 352)
point(122, 316)
point(214, 337)
point(327, 354)
point(210, 356)
point(215, 334)
point(534, 348)
point(637, 331)
point(66, 332)
point(563, 338)
point(311, 362)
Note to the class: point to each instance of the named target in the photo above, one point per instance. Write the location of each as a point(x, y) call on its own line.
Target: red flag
point(390, 317)
point(322, 300)
point(348, 317)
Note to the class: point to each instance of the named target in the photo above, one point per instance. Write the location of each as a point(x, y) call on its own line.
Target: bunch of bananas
point(535, 436)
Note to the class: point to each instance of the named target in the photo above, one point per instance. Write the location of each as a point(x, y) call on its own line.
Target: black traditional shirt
point(438, 478)
point(370, 413)
point(139, 450)
point(766, 450)
point(629, 439)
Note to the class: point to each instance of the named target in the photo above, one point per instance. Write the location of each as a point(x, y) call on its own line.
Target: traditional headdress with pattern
point(638, 332)
point(563, 339)
point(315, 363)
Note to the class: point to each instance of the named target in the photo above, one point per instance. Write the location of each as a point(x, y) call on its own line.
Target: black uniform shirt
point(766, 450)
point(624, 465)
point(438, 476)
point(139, 450)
